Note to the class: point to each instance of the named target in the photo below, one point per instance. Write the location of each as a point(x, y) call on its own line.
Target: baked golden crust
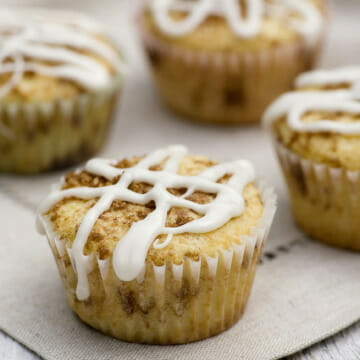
point(34, 87)
point(112, 225)
point(273, 32)
point(334, 150)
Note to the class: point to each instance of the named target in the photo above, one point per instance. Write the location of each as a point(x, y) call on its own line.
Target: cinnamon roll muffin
point(316, 131)
point(160, 249)
point(225, 61)
point(60, 75)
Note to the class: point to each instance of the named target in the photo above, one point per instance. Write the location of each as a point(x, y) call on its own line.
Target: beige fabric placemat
point(303, 291)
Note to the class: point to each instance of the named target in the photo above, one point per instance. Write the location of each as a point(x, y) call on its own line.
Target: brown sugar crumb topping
point(135, 212)
point(113, 224)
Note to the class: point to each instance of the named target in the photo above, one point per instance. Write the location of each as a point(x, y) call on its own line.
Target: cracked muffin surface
point(35, 87)
point(114, 223)
point(333, 149)
point(273, 32)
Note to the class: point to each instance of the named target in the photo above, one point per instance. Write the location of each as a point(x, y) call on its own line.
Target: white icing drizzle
point(130, 253)
point(309, 25)
point(294, 105)
point(57, 38)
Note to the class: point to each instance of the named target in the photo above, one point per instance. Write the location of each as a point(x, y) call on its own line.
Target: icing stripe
point(57, 38)
point(309, 26)
point(131, 250)
point(296, 104)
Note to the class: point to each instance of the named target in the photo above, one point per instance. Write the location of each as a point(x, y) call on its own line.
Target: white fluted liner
point(326, 191)
point(323, 173)
point(42, 135)
point(218, 61)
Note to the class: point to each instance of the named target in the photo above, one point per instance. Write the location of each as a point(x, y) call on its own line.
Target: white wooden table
point(343, 48)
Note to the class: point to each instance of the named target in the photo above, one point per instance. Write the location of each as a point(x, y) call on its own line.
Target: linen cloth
point(303, 291)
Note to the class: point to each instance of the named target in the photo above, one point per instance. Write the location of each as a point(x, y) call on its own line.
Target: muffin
point(60, 75)
point(160, 249)
point(316, 131)
point(213, 65)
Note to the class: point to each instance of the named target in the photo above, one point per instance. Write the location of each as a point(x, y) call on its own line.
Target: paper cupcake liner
point(172, 303)
point(225, 88)
point(325, 200)
point(41, 136)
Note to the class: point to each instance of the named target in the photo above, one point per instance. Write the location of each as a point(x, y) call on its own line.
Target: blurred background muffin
point(225, 61)
point(316, 130)
point(60, 75)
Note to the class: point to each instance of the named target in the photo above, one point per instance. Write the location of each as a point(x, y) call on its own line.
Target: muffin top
point(162, 207)
point(234, 25)
point(321, 119)
point(49, 54)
